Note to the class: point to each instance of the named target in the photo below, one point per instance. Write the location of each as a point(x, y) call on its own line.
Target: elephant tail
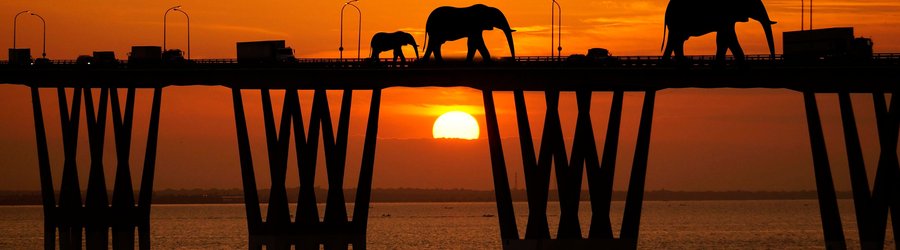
point(663, 45)
point(425, 43)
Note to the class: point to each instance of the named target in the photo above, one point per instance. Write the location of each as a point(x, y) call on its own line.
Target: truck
point(264, 52)
point(830, 44)
point(594, 56)
point(99, 58)
point(20, 56)
point(105, 58)
point(145, 55)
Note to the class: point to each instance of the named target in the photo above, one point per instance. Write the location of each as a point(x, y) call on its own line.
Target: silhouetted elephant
point(450, 24)
point(687, 18)
point(383, 41)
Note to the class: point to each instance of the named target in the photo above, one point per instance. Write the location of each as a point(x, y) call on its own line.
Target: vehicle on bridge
point(831, 44)
point(264, 52)
point(99, 58)
point(19, 56)
point(173, 56)
point(145, 55)
point(594, 55)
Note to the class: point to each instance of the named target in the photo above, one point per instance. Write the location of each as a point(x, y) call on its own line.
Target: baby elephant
point(384, 41)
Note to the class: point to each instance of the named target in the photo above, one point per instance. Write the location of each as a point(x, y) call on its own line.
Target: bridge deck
point(636, 74)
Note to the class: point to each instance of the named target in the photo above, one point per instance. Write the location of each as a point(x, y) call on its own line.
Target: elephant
point(383, 41)
point(451, 23)
point(687, 18)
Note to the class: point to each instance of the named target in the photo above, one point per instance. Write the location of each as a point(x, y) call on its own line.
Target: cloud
point(244, 29)
point(617, 21)
point(223, 27)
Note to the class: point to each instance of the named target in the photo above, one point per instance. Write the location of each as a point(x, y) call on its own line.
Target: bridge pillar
point(569, 171)
point(96, 216)
point(307, 231)
point(872, 206)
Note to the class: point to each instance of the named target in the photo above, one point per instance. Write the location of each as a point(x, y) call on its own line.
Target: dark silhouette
point(306, 230)
point(687, 18)
point(88, 223)
point(450, 24)
point(264, 52)
point(837, 44)
point(383, 41)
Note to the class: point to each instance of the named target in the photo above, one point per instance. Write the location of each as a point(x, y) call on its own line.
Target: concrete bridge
point(86, 218)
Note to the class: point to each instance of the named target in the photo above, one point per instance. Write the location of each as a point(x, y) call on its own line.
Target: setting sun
point(455, 125)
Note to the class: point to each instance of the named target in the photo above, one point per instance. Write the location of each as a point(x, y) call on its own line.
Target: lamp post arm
point(165, 17)
point(559, 30)
point(188, 32)
point(341, 48)
point(44, 26)
point(15, 25)
point(358, 32)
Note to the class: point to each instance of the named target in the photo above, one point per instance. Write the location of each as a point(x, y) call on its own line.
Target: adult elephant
point(687, 18)
point(383, 41)
point(450, 24)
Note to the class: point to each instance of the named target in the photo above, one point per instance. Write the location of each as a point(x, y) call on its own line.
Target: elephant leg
point(485, 54)
point(472, 43)
point(723, 41)
point(428, 50)
point(375, 53)
point(735, 47)
point(679, 48)
point(437, 52)
point(667, 54)
point(399, 53)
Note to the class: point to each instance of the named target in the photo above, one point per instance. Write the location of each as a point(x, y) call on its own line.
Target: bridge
point(88, 220)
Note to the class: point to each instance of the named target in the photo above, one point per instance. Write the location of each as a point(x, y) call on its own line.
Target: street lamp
point(165, 17)
point(188, 32)
point(554, 7)
point(15, 23)
point(358, 32)
point(44, 46)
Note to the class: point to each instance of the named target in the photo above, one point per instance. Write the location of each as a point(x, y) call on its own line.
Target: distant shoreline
point(400, 195)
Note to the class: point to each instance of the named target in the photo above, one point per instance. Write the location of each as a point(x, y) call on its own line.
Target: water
point(664, 225)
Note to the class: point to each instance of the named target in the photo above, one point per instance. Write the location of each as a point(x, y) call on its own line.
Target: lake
point(781, 224)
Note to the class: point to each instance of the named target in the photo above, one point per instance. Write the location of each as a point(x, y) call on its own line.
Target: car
point(598, 54)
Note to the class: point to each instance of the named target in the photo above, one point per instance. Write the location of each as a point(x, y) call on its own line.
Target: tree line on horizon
point(235, 196)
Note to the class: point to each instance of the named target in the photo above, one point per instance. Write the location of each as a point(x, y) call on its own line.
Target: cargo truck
point(20, 56)
point(831, 44)
point(145, 55)
point(264, 52)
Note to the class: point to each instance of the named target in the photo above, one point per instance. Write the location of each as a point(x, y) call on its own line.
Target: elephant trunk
point(762, 16)
point(767, 27)
point(512, 46)
point(416, 49)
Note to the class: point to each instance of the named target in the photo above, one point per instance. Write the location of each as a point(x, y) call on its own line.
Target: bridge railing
point(612, 61)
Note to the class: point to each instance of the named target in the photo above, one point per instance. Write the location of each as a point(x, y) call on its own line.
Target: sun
point(455, 125)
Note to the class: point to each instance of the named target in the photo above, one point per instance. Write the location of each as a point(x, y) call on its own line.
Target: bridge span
point(93, 215)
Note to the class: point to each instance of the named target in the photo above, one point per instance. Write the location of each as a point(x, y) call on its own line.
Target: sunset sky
point(702, 139)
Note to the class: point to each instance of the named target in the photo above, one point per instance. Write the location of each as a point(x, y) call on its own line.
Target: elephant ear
point(742, 10)
point(486, 25)
point(485, 16)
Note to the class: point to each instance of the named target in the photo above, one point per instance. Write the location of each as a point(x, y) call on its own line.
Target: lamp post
point(165, 16)
point(554, 21)
point(358, 32)
point(44, 24)
point(188, 32)
point(15, 24)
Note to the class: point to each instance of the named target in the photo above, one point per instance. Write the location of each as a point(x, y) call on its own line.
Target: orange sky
point(702, 139)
